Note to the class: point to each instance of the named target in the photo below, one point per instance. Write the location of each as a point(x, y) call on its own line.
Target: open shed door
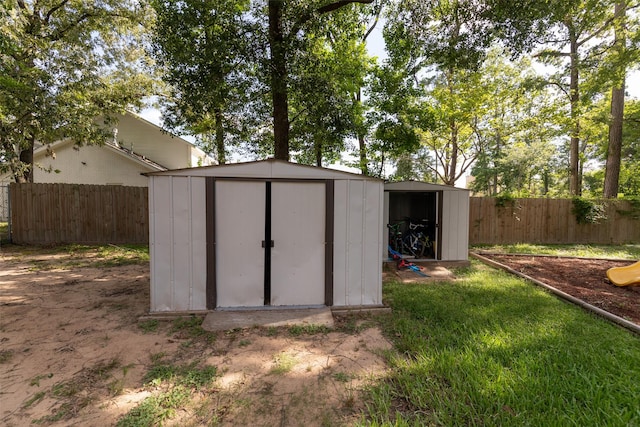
point(418, 207)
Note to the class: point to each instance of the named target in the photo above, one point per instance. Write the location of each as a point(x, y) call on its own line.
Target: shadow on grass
point(490, 349)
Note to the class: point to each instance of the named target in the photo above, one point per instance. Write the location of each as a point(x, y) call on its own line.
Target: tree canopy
point(527, 97)
point(64, 64)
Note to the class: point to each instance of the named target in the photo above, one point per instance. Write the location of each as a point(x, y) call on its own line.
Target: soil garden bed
point(582, 278)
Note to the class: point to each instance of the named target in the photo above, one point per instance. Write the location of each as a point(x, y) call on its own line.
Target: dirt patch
point(72, 351)
point(416, 273)
point(585, 279)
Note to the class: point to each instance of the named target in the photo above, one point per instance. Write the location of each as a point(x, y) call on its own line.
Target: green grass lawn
point(4, 231)
point(492, 350)
point(78, 256)
point(630, 251)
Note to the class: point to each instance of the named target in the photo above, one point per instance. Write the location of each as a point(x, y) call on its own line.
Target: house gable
point(90, 164)
point(148, 140)
point(139, 147)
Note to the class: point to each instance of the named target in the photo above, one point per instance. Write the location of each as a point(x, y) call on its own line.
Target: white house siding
point(358, 208)
point(177, 247)
point(4, 201)
point(101, 163)
point(90, 165)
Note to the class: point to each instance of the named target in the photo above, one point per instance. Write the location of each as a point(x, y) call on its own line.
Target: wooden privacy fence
point(43, 214)
point(548, 221)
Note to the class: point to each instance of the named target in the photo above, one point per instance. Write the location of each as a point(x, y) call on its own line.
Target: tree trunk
point(545, 180)
point(614, 152)
point(362, 143)
point(453, 128)
point(574, 96)
point(279, 94)
point(364, 160)
point(495, 169)
point(222, 156)
point(26, 159)
point(453, 161)
point(318, 149)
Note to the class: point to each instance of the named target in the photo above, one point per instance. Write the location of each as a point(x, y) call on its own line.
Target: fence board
point(547, 221)
point(44, 214)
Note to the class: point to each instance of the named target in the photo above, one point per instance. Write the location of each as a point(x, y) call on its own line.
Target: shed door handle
point(270, 244)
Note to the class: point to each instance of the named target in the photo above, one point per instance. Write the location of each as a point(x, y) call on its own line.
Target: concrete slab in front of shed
point(222, 320)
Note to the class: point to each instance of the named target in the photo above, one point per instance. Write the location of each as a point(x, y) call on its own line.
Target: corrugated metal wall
point(455, 225)
point(177, 243)
point(358, 210)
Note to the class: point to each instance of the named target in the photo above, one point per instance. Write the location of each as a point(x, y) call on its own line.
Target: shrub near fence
point(43, 214)
point(549, 221)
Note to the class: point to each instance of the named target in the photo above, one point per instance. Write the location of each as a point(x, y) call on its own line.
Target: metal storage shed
point(445, 210)
point(265, 233)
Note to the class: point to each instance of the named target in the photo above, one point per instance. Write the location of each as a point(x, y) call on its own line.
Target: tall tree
point(398, 114)
point(579, 43)
point(203, 49)
point(446, 41)
point(63, 65)
point(598, 121)
point(459, 98)
point(329, 67)
point(370, 22)
point(515, 128)
point(620, 59)
point(287, 19)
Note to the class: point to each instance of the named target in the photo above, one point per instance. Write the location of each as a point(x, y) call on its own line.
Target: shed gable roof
point(419, 186)
point(270, 168)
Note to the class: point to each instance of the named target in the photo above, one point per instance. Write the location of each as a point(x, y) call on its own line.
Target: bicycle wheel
point(425, 246)
point(408, 248)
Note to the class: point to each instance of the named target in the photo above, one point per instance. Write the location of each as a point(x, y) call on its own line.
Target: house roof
point(159, 128)
point(122, 151)
point(136, 157)
point(269, 168)
point(419, 186)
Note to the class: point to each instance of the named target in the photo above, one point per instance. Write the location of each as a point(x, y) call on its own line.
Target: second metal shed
point(443, 208)
point(263, 234)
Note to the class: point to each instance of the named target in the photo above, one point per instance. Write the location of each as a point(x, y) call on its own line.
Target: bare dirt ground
point(73, 352)
point(585, 279)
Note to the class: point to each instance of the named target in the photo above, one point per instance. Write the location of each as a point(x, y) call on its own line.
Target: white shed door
point(298, 231)
point(240, 222)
